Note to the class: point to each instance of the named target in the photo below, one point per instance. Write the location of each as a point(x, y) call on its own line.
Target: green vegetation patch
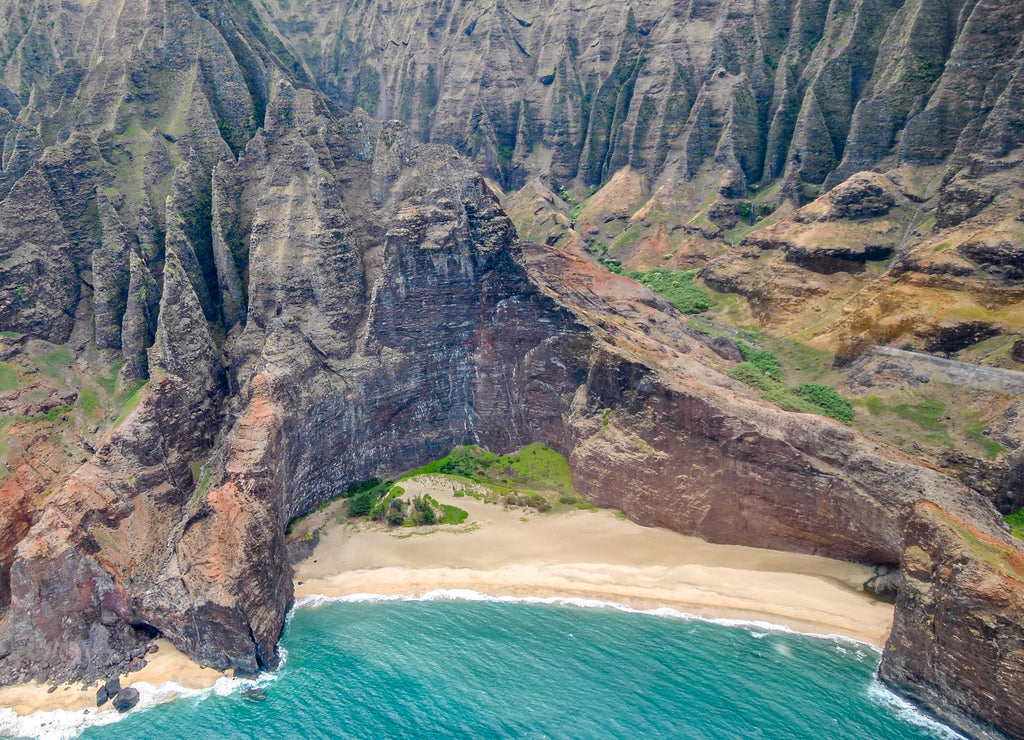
point(575, 501)
point(364, 499)
point(88, 401)
point(875, 405)
point(57, 412)
point(749, 374)
point(55, 363)
point(423, 511)
point(1016, 522)
point(677, 287)
point(761, 369)
point(628, 238)
point(202, 475)
point(133, 395)
point(453, 514)
point(510, 479)
point(8, 377)
point(391, 494)
point(976, 433)
point(528, 500)
point(826, 397)
point(786, 398)
point(534, 467)
point(1001, 557)
point(109, 383)
point(927, 414)
point(764, 361)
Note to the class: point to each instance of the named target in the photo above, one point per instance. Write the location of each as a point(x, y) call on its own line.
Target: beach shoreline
point(592, 556)
point(167, 666)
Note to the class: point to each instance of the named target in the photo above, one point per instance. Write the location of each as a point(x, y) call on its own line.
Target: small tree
point(425, 513)
point(396, 512)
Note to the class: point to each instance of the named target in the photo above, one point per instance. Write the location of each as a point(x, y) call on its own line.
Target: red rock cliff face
point(956, 642)
point(315, 299)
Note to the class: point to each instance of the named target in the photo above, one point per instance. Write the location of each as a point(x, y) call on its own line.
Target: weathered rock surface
point(805, 91)
point(108, 691)
point(125, 699)
point(316, 299)
point(956, 644)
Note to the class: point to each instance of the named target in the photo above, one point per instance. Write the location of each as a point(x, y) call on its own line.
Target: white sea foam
point(756, 628)
point(62, 724)
point(907, 712)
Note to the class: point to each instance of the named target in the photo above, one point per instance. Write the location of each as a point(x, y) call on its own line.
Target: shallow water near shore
point(369, 667)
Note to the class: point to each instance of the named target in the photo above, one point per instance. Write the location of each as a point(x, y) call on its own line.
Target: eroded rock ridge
point(298, 298)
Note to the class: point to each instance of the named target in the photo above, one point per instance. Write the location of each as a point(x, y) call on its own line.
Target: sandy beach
point(518, 552)
point(167, 664)
point(587, 554)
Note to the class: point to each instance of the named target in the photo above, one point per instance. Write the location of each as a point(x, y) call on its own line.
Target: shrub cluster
point(761, 369)
point(529, 500)
point(1016, 522)
point(677, 287)
point(764, 361)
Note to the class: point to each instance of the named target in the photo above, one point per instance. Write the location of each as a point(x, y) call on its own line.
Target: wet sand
point(498, 551)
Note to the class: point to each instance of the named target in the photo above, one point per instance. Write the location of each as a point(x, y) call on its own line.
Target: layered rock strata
point(315, 299)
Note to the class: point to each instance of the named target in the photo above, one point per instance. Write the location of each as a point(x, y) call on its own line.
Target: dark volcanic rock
point(108, 691)
point(110, 276)
point(885, 584)
point(333, 382)
point(862, 196)
point(1004, 256)
point(762, 90)
point(1017, 351)
point(960, 201)
point(950, 339)
point(126, 699)
point(315, 299)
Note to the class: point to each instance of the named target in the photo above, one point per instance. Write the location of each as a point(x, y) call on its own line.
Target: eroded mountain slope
point(295, 299)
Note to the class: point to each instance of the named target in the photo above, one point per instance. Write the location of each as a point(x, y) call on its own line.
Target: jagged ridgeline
point(114, 120)
point(664, 133)
point(809, 91)
point(224, 300)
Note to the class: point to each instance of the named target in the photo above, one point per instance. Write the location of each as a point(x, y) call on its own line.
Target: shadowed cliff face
point(391, 316)
point(304, 298)
point(704, 121)
point(811, 91)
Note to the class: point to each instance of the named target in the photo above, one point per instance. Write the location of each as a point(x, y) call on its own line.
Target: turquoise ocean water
point(485, 669)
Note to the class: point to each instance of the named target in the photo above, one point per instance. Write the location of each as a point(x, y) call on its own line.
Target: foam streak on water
point(62, 724)
point(458, 663)
point(465, 594)
point(906, 711)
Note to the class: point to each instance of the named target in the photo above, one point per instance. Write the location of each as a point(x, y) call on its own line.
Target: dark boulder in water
point(255, 695)
point(126, 699)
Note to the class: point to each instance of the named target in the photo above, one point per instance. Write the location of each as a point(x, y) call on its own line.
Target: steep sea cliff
point(225, 299)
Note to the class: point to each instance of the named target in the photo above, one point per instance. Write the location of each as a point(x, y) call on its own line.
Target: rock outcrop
point(316, 299)
point(955, 644)
point(805, 91)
